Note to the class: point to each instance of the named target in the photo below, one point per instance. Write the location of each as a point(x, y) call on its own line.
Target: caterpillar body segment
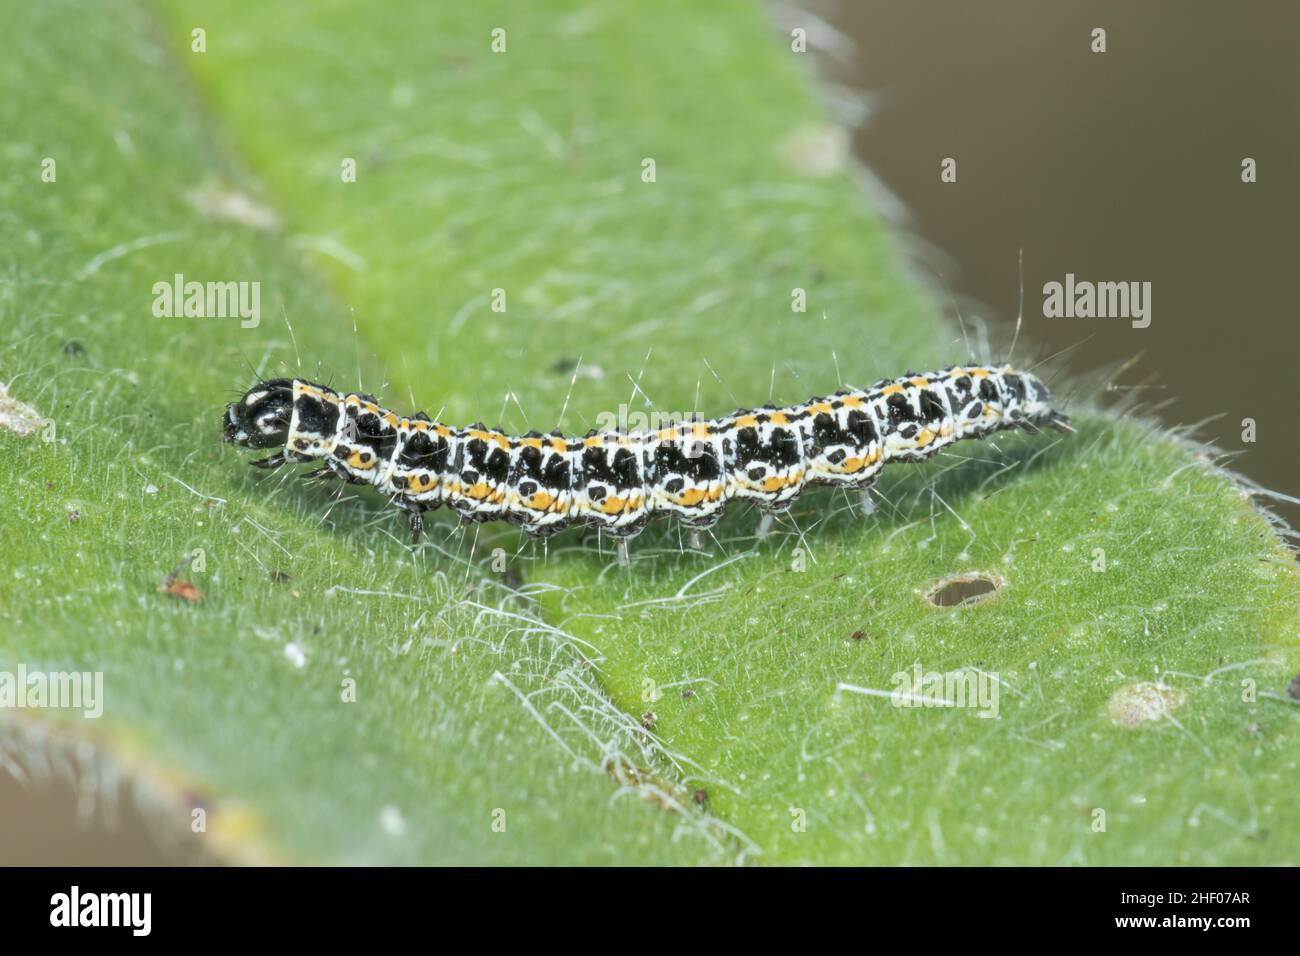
point(618, 481)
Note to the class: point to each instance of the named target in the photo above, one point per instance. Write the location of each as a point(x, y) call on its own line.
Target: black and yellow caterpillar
point(618, 481)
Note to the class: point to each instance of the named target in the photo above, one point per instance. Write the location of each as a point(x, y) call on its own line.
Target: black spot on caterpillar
point(618, 481)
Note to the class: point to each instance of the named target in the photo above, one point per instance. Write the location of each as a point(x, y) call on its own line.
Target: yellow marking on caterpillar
point(495, 437)
point(419, 484)
point(314, 392)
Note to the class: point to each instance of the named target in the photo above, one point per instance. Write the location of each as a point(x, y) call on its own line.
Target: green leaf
point(531, 692)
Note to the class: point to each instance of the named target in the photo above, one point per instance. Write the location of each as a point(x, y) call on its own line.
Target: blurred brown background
point(1123, 165)
point(58, 829)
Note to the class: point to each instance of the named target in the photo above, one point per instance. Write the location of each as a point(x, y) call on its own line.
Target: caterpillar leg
point(769, 510)
point(414, 514)
point(694, 539)
point(1061, 423)
point(543, 531)
point(320, 474)
point(621, 555)
point(340, 472)
point(866, 503)
point(270, 463)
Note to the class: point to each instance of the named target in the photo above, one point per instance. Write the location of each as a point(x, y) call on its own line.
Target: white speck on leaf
point(391, 819)
point(222, 204)
point(1144, 702)
point(295, 655)
point(17, 417)
point(817, 150)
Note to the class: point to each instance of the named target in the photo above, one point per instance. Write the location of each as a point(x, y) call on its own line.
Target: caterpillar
point(620, 480)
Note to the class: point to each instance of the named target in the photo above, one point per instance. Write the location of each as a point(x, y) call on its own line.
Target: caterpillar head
point(261, 418)
point(1038, 407)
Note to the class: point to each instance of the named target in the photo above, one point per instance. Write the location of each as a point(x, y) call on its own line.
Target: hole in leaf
point(963, 589)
